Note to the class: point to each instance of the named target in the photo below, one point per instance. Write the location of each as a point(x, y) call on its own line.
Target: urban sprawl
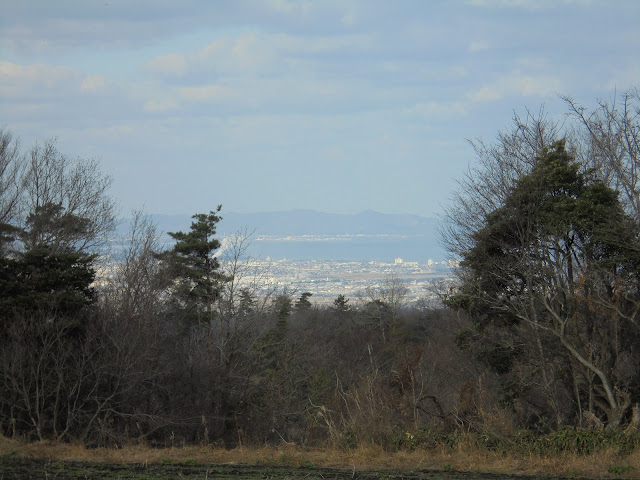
point(328, 279)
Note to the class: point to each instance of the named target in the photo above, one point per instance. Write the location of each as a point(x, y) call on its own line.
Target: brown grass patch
point(466, 457)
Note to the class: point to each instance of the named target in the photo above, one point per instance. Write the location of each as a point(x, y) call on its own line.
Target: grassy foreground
point(49, 459)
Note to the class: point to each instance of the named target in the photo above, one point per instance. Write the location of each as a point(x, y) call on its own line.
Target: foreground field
point(64, 461)
point(19, 469)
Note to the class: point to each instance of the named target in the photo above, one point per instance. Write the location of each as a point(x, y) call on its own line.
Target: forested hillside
point(539, 335)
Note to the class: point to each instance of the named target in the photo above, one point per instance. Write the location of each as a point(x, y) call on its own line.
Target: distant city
point(330, 254)
point(333, 254)
point(327, 279)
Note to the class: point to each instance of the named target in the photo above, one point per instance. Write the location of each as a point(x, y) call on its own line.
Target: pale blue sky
point(337, 106)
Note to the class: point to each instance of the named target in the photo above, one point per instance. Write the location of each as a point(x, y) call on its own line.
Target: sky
point(338, 106)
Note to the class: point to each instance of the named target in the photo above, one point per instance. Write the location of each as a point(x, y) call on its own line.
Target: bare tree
point(60, 189)
point(247, 281)
point(609, 141)
point(11, 168)
point(384, 303)
point(135, 282)
point(132, 337)
point(486, 185)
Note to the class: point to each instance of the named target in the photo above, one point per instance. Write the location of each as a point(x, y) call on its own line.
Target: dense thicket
point(187, 345)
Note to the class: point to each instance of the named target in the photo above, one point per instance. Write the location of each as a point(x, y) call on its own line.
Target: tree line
point(183, 345)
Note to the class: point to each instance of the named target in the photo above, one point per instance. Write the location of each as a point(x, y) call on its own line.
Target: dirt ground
point(23, 468)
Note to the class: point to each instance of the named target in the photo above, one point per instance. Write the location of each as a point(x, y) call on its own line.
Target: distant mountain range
point(309, 234)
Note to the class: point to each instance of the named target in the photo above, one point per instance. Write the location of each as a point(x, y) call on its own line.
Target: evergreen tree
point(559, 263)
point(48, 276)
point(194, 270)
point(341, 304)
point(282, 308)
point(303, 302)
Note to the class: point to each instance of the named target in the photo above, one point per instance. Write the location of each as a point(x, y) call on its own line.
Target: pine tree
point(194, 270)
point(303, 303)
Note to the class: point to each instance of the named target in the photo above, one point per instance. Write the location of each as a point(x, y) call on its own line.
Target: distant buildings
point(328, 279)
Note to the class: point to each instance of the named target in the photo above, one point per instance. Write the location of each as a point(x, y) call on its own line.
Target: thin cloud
point(161, 105)
point(528, 4)
point(478, 46)
point(23, 80)
point(92, 83)
point(525, 4)
point(205, 93)
point(170, 64)
point(438, 111)
point(518, 84)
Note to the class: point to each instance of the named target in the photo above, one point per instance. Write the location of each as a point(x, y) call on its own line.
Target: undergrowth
point(569, 439)
point(568, 453)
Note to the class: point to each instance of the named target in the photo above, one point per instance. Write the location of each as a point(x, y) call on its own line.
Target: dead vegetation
point(466, 457)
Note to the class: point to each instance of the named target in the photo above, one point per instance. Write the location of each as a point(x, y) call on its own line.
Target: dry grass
point(464, 458)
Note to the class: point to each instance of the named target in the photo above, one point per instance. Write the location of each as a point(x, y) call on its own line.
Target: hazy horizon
point(320, 235)
point(282, 211)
